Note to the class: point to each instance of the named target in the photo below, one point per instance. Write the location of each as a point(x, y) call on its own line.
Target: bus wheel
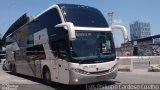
point(14, 69)
point(47, 76)
point(10, 68)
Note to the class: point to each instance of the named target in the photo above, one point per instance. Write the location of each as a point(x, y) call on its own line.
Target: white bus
point(69, 44)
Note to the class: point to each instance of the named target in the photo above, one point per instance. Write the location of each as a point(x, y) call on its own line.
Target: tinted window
point(60, 48)
point(20, 54)
point(21, 36)
point(92, 45)
point(47, 20)
point(10, 39)
point(84, 16)
point(36, 53)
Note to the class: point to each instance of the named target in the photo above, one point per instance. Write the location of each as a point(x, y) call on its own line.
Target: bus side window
point(63, 49)
point(36, 53)
point(10, 39)
point(60, 49)
point(20, 54)
point(54, 47)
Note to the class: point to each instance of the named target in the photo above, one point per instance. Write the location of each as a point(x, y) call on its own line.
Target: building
point(148, 46)
point(2, 53)
point(140, 30)
point(1, 44)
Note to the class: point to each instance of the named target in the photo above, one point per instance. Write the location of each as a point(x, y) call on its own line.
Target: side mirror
point(123, 29)
point(70, 27)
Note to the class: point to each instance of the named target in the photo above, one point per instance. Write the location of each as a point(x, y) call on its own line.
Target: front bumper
point(77, 78)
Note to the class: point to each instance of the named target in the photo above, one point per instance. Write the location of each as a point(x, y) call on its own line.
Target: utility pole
point(110, 18)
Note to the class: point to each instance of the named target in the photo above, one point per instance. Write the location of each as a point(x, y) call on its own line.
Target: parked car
point(4, 67)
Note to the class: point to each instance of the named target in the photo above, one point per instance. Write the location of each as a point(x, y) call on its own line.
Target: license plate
point(100, 77)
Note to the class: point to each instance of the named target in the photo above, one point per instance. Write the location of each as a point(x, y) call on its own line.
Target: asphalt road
point(140, 75)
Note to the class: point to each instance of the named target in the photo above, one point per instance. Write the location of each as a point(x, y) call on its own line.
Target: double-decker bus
point(69, 44)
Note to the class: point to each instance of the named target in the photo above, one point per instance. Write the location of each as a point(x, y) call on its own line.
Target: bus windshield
point(84, 16)
point(92, 45)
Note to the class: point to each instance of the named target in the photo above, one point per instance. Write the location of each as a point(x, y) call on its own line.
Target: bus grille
point(99, 72)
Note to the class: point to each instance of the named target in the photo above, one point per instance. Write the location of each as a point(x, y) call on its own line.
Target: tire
point(14, 69)
point(4, 68)
point(47, 76)
point(10, 67)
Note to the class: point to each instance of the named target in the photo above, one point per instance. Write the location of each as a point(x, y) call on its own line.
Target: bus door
point(63, 62)
point(54, 46)
point(56, 70)
point(61, 73)
point(63, 68)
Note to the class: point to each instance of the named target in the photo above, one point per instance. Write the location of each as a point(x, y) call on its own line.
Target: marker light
point(76, 80)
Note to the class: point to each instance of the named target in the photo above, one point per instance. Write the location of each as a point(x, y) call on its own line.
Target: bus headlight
point(76, 80)
point(79, 71)
point(115, 66)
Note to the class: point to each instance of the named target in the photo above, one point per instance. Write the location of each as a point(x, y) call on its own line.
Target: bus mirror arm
point(70, 27)
point(124, 31)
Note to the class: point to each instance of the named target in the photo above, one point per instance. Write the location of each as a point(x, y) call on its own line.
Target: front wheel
point(47, 76)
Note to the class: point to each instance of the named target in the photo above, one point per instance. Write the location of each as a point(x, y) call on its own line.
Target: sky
point(125, 12)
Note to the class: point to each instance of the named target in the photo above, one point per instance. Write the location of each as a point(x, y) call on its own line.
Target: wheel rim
point(47, 76)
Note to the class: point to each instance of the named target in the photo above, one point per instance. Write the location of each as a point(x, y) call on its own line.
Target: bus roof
point(24, 18)
point(17, 24)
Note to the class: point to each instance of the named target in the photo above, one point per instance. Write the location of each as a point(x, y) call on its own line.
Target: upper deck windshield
point(84, 16)
point(92, 45)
